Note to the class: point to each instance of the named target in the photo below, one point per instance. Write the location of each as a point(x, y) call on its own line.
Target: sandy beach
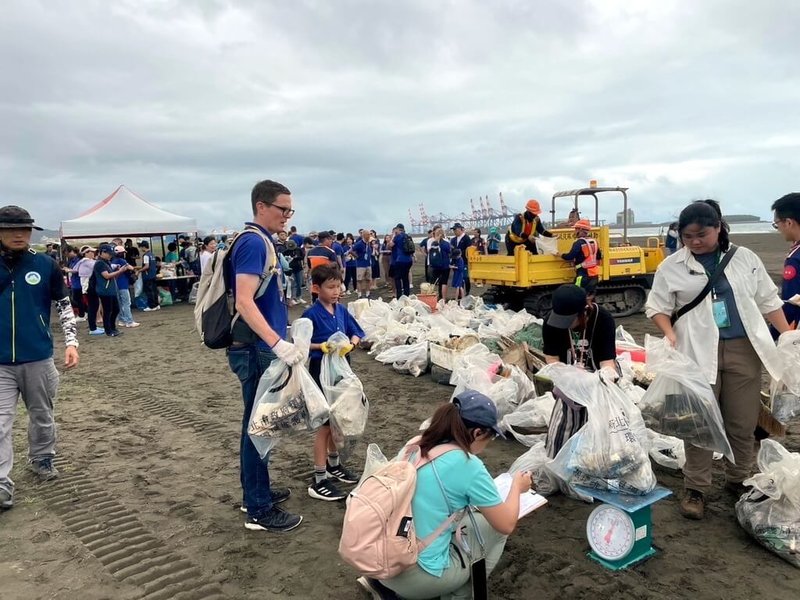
point(148, 502)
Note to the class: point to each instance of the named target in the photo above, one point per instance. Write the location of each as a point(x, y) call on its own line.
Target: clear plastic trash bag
point(666, 450)
point(785, 393)
point(610, 451)
point(535, 413)
point(288, 399)
point(534, 461)
point(375, 460)
point(680, 402)
point(349, 407)
point(770, 512)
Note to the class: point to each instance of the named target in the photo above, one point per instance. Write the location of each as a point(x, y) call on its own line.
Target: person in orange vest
point(585, 255)
point(525, 228)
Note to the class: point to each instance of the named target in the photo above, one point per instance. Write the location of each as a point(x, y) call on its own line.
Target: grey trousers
point(37, 382)
point(454, 584)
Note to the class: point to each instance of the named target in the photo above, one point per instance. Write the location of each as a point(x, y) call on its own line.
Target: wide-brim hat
point(16, 217)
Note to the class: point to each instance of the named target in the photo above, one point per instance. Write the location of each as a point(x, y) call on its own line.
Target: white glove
point(288, 353)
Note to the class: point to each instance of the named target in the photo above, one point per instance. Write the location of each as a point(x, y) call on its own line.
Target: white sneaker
point(301, 301)
point(148, 309)
point(292, 302)
point(134, 324)
point(80, 319)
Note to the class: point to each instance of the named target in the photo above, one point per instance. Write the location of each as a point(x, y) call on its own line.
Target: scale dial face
point(611, 532)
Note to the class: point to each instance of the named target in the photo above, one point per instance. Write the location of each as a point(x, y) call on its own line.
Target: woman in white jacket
point(725, 334)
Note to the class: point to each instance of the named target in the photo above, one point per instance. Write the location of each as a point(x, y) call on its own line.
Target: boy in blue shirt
point(787, 222)
point(328, 317)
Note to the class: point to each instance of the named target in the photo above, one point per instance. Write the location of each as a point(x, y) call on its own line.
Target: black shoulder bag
point(711, 283)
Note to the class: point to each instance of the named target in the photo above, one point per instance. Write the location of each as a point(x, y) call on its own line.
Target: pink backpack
point(378, 537)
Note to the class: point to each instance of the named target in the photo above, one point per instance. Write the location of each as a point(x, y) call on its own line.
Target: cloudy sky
point(367, 108)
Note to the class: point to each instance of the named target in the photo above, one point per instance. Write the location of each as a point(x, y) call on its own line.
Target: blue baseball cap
point(478, 409)
point(106, 248)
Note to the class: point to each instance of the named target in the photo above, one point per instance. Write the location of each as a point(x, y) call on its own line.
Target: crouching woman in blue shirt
point(443, 568)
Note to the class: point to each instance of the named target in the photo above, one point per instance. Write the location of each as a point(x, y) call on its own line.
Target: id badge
point(720, 310)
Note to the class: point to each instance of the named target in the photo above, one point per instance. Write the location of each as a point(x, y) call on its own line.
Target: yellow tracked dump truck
point(525, 280)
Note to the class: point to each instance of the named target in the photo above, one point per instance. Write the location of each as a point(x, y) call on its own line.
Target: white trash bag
point(412, 359)
point(680, 402)
point(770, 512)
point(374, 461)
point(349, 407)
point(546, 245)
point(288, 399)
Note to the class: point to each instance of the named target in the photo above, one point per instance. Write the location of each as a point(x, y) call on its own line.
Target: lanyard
point(710, 274)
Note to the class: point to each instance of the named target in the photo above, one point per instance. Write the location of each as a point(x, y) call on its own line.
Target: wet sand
point(147, 505)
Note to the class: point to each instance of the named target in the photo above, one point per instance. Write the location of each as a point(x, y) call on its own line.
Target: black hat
point(400, 226)
point(14, 217)
point(457, 226)
point(568, 302)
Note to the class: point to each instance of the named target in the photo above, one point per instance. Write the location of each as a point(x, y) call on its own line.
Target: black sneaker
point(6, 499)
point(114, 333)
point(376, 589)
point(326, 490)
point(279, 496)
point(341, 473)
point(43, 468)
point(276, 520)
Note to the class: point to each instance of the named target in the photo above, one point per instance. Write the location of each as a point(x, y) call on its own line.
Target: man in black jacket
point(462, 241)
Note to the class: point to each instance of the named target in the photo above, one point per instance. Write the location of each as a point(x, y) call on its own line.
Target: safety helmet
point(532, 206)
point(583, 224)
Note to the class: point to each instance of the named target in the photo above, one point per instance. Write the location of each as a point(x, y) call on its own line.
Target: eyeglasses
point(775, 223)
point(286, 212)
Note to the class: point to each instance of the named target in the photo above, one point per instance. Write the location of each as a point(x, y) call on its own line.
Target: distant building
point(621, 217)
point(742, 219)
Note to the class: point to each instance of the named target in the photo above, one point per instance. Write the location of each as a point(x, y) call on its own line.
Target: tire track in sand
point(122, 544)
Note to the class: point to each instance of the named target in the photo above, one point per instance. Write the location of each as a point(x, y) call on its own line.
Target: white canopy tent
point(125, 214)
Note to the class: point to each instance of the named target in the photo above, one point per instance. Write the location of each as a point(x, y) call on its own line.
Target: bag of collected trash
point(534, 461)
point(349, 407)
point(666, 450)
point(164, 297)
point(412, 358)
point(610, 450)
point(545, 245)
point(785, 393)
point(193, 292)
point(288, 399)
point(680, 402)
point(138, 287)
point(770, 512)
point(531, 414)
point(375, 460)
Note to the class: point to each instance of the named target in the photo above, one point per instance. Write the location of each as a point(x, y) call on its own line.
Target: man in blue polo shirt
point(363, 253)
point(401, 261)
point(259, 338)
point(29, 285)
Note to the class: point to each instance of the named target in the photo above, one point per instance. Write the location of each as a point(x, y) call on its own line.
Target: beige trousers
point(738, 391)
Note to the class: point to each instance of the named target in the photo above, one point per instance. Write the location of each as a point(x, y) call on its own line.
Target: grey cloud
point(366, 109)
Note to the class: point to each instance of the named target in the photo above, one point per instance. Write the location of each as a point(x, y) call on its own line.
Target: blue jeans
point(298, 284)
point(124, 297)
point(248, 363)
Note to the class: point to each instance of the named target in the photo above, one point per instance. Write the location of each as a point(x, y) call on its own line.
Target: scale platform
point(620, 530)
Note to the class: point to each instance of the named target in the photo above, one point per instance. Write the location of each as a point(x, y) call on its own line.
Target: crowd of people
point(725, 332)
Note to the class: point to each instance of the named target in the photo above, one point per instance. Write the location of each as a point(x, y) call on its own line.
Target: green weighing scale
point(620, 530)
